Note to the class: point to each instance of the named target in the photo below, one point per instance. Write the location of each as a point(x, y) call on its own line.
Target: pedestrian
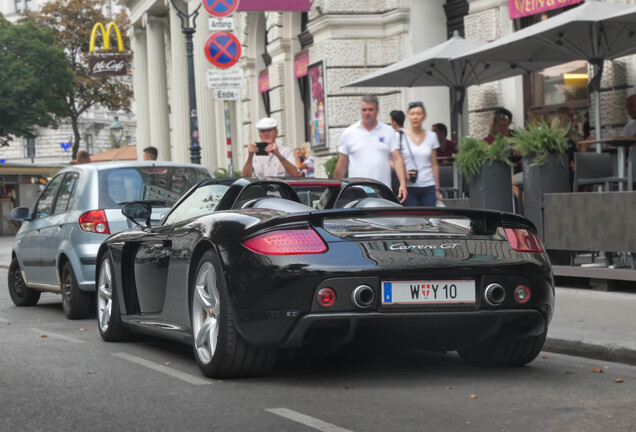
point(367, 147)
point(397, 119)
point(447, 148)
point(151, 153)
point(629, 131)
point(419, 150)
point(305, 160)
point(397, 123)
point(83, 157)
point(266, 158)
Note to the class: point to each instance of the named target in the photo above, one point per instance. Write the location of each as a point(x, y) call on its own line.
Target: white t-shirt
point(422, 154)
point(270, 166)
point(630, 129)
point(369, 153)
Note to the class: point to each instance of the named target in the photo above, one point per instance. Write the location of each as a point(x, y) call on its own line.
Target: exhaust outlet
point(494, 294)
point(363, 296)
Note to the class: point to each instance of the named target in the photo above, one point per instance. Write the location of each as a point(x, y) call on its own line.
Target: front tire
point(219, 349)
point(19, 292)
point(109, 321)
point(504, 353)
point(75, 302)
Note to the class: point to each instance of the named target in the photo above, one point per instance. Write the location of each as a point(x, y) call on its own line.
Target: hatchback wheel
point(19, 292)
point(111, 327)
point(219, 349)
point(75, 302)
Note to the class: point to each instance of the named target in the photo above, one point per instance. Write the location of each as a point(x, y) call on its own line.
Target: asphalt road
point(58, 375)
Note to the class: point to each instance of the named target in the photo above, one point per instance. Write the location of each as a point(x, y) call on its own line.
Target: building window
point(18, 5)
point(89, 143)
point(29, 148)
point(27, 4)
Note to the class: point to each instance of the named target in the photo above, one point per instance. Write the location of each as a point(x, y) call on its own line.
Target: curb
point(613, 353)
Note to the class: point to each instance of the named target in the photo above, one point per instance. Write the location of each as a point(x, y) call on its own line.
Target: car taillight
point(523, 240)
point(287, 242)
point(94, 221)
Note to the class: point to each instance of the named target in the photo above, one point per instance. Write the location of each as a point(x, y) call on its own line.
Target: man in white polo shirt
point(367, 147)
point(279, 161)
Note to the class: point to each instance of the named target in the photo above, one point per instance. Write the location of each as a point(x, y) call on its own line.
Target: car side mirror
point(21, 214)
point(138, 210)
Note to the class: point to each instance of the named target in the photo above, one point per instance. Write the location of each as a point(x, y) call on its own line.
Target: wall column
point(179, 102)
point(140, 66)
point(157, 88)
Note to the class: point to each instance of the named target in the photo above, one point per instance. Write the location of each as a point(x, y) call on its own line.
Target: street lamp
point(188, 31)
point(116, 131)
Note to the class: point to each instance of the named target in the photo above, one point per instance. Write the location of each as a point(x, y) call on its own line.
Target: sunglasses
point(416, 104)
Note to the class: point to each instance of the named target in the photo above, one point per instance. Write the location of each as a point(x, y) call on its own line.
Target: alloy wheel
point(205, 313)
point(104, 296)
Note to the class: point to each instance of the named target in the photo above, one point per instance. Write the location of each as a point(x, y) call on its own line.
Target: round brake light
point(326, 297)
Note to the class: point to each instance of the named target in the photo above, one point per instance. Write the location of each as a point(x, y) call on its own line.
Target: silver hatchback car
point(56, 247)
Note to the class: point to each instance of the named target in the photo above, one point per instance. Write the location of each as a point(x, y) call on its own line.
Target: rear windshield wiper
point(149, 202)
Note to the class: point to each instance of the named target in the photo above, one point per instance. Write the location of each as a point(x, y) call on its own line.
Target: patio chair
point(595, 169)
point(446, 185)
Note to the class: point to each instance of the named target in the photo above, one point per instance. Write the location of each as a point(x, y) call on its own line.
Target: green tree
point(72, 23)
point(34, 77)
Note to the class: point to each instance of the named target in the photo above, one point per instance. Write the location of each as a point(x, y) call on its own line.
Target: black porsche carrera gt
point(241, 270)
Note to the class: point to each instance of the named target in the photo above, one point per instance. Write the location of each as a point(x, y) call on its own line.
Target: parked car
point(240, 271)
point(56, 247)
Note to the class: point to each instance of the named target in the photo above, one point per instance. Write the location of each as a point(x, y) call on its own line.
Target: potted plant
point(543, 149)
point(486, 168)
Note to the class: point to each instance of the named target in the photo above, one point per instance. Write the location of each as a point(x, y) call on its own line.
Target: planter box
point(551, 177)
point(492, 188)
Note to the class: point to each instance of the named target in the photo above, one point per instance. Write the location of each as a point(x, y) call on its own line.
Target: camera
point(413, 177)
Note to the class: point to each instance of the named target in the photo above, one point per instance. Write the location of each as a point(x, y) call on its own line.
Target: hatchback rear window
point(163, 185)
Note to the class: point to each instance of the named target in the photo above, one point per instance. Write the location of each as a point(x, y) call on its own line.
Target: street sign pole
point(228, 138)
point(223, 50)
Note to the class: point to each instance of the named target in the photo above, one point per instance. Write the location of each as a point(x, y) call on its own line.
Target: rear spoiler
point(483, 222)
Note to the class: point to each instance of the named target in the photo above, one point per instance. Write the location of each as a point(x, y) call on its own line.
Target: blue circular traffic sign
point(220, 8)
point(223, 49)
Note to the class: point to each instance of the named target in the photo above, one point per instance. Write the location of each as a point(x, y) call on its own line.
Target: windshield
point(158, 185)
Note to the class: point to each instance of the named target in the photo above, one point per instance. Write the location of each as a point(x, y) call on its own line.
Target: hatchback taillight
point(287, 242)
point(523, 240)
point(94, 221)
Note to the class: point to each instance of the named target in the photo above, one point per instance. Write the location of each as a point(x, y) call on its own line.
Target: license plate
point(428, 292)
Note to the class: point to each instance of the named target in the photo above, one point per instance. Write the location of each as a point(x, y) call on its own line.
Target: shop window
point(29, 147)
point(89, 143)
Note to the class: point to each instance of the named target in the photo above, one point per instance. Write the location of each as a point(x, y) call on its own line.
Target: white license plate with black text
point(428, 292)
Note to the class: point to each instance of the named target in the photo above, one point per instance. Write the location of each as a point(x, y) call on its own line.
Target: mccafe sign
point(107, 64)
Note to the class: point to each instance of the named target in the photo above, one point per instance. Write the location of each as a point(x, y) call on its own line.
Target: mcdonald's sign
point(104, 64)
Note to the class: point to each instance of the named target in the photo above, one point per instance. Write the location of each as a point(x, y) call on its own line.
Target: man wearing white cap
point(279, 161)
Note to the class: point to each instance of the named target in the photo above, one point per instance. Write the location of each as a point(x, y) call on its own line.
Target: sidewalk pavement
point(594, 324)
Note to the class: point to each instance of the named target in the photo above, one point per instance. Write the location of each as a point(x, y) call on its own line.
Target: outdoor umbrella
point(594, 31)
point(436, 66)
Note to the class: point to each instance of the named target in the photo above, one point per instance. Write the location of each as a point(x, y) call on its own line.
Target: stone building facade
point(350, 38)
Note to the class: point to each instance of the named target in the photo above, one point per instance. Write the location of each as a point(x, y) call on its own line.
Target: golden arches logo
point(106, 36)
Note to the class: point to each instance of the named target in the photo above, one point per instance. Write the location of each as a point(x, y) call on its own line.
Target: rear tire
point(504, 353)
point(19, 292)
point(109, 322)
point(75, 302)
point(219, 349)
